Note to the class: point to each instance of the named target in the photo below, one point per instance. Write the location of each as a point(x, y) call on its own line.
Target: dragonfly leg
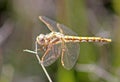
point(63, 50)
point(46, 52)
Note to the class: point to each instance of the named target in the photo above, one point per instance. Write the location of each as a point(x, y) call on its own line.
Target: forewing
point(52, 25)
point(52, 55)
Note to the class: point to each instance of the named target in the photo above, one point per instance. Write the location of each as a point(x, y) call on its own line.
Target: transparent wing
point(72, 49)
point(52, 55)
point(71, 52)
point(52, 25)
point(70, 55)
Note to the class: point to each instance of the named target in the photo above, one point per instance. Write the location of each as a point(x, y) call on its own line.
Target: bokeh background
point(19, 26)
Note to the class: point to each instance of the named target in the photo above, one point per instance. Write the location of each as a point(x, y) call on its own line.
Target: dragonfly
point(61, 42)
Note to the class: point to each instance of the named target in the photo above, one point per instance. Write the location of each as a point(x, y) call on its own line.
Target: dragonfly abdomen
point(86, 39)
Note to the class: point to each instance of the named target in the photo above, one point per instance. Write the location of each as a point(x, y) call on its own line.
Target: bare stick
point(40, 62)
point(26, 50)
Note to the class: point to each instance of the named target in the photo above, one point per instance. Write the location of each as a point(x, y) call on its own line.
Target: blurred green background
point(19, 26)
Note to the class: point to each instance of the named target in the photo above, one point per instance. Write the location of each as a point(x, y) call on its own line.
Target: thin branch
point(40, 62)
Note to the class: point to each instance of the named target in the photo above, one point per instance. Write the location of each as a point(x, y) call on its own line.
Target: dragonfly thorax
point(53, 37)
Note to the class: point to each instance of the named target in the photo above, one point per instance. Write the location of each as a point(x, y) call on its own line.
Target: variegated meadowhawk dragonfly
point(61, 41)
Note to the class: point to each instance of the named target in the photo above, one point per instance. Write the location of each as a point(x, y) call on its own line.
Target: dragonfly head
point(41, 39)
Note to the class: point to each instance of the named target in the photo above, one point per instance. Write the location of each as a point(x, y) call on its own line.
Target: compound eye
point(40, 39)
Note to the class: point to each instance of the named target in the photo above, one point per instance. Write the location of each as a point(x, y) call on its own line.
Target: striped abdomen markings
point(86, 39)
